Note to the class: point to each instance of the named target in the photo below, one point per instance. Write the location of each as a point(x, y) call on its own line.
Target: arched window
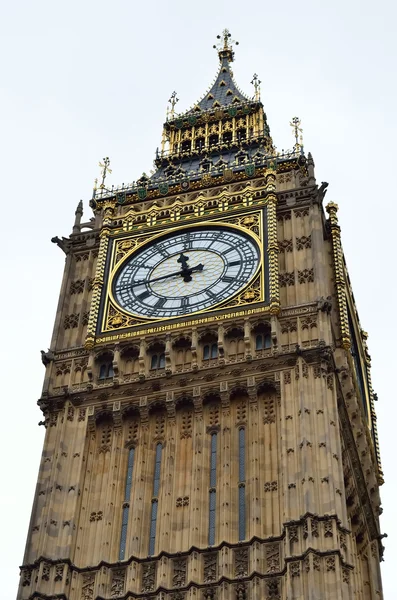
point(241, 484)
point(227, 137)
point(126, 505)
point(263, 341)
point(155, 499)
point(210, 351)
point(199, 143)
point(214, 139)
point(106, 369)
point(157, 361)
point(212, 492)
point(186, 146)
point(235, 343)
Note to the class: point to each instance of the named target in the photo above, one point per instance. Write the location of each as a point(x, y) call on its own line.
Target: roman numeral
point(160, 303)
point(234, 263)
point(185, 302)
point(144, 295)
point(188, 241)
point(228, 279)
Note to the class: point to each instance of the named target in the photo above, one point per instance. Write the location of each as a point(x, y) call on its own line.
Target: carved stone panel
point(118, 581)
point(210, 567)
point(148, 577)
point(87, 590)
point(179, 575)
point(241, 562)
point(272, 558)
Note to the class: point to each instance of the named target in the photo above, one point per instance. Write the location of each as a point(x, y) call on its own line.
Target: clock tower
point(210, 428)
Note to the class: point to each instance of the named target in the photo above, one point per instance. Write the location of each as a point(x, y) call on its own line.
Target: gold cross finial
point(105, 169)
point(225, 49)
point(256, 82)
point(296, 126)
point(173, 100)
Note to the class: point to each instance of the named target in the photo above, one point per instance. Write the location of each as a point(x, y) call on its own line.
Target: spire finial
point(296, 126)
point(256, 82)
point(105, 169)
point(225, 47)
point(77, 219)
point(173, 100)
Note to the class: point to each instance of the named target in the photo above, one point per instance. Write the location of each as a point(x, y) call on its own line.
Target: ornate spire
point(172, 101)
point(78, 214)
point(225, 47)
point(298, 131)
point(256, 82)
point(224, 90)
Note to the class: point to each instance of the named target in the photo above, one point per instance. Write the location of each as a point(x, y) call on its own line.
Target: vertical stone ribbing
point(340, 283)
point(272, 247)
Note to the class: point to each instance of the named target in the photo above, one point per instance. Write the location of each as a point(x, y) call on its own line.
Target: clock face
point(186, 272)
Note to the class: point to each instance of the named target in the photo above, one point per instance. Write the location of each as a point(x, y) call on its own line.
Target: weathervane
point(225, 47)
point(296, 126)
point(257, 86)
point(173, 100)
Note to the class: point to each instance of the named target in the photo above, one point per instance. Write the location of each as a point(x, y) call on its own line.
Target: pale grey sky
point(88, 79)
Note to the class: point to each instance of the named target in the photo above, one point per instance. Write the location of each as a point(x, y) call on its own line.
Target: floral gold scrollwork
point(250, 222)
point(116, 319)
point(125, 246)
point(251, 294)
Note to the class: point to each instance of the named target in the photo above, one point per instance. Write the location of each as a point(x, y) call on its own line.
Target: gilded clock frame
point(115, 318)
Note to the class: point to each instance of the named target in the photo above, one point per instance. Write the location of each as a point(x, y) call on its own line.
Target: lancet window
point(241, 484)
point(155, 499)
point(126, 505)
point(212, 491)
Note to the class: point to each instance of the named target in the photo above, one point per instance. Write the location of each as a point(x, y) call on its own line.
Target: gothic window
point(186, 146)
point(235, 343)
point(182, 354)
point(241, 484)
point(212, 492)
point(199, 143)
point(126, 505)
point(106, 370)
point(227, 137)
point(210, 351)
point(105, 366)
point(130, 358)
point(214, 139)
point(157, 361)
point(157, 356)
point(155, 499)
point(262, 337)
point(262, 341)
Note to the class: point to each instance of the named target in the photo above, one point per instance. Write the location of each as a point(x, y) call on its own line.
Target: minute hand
point(181, 273)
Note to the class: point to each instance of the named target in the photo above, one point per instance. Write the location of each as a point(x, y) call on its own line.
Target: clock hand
point(183, 273)
point(187, 273)
point(183, 260)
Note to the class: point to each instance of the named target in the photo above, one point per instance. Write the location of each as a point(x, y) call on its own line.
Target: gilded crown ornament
point(225, 47)
point(297, 131)
point(256, 82)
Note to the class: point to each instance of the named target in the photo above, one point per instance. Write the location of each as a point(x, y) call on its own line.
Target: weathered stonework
point(123, 504)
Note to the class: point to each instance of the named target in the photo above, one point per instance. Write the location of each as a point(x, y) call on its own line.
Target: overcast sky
point(83, 80)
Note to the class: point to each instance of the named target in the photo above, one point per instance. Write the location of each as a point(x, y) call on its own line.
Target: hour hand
point(183, 260)
point(187, 273)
